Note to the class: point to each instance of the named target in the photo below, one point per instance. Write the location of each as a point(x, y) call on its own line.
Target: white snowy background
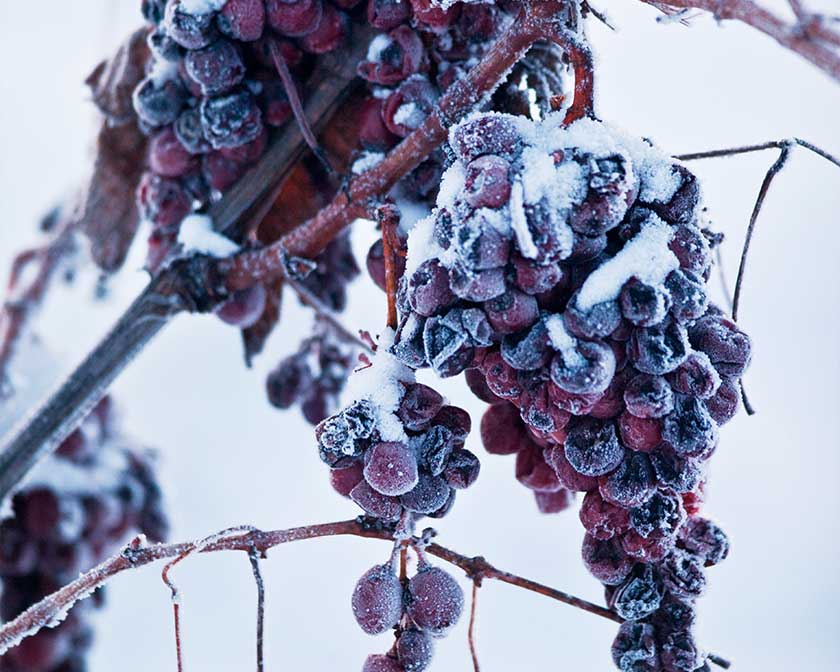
point(229, 458)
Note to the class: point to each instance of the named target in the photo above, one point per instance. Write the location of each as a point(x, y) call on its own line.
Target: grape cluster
point(398, 449)
point(312, 377)
point(564, 269)
point(424, 607)
point(78, 506)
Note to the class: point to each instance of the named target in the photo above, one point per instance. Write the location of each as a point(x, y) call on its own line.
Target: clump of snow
point(520, 223)
point(377, 46)
point(366, 161)
point(645, 256)
point(451, 185)
point(197, 235)
point(408, 114)
point(163, 71)
point(382, 385)
point(563, 341)
point(421, 245)
point(198, 7)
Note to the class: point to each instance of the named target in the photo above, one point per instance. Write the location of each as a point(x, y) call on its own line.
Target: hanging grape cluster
point(78, 507)
point(397, 450)
point(313, 377)
point(419, 609)
point(564, 269)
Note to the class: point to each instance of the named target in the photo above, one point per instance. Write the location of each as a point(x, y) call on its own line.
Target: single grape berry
point(377, 600)
point(435, 601)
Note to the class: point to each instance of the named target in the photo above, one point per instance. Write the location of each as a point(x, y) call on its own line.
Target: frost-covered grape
point(728, 348)
point(502, 430)
point(462, 469)
point(704, 539)
point(381, 663)
point(606, 560)
point(435, 601)
point(344, 479)
point(418, 406)
point(681, 474)
point(640, 594)
point(189, 29)
point(586, 369)
point(592, 447)
point(512, 312)
point(689, 429)
point(217, 68)
point(634, 648)
point(631, 483)
point(427, 496)
point(642, 434)
point(724, 404)
point(534, 472)
point(601, 519)
point(293, 18)
point(660, 349)
point(329, 34)
point(695, 376)
point(414, 650)
point(487, 182)
point(683, 574)
point(159, 103)
point(648, 396)
point(661, 515)
point(488, 134)
point(643, 304)
point(230, 120)
point(242, 20)
point(377, 600)
point(428, 289)
point(376, 504)
point(244, 307)
point(553, 502)
point(391, 468)
point(528, 350)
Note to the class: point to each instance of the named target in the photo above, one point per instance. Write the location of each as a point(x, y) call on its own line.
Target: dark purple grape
point(648, 396)
point(683, 204)
point(190, 30)
point(592, 447)
point(689, 429)
point(605, 560)
point(419, 405)
point(462, 469)
point(643, 434)
point(683, 574)
point(375, 504)
point(329, 34)
point(391, 468)
point(512, 312)
point(344, 479)
point(723, 406)
point(381, 663)
point(477, 285)
point(487, 182)
point(553, 502)
point(658, 350)
point(402, 57)
point(434, 448)
point(728, 348)
point(695, 376)
point(634, 648)
point(293, 18)
point(528, 350)
point(158, 103)
point(601, 519)
point(388, 14)
point(428, 289)
point(377, 600)
point(688, 295)
point(502, 379)
point(643, 304)
point(408, 345)
point(429, 495)
point(435, 601)
point(456, 420)
point(600, 320)
point(610, 189)
point(414, 650)
point(533, 278)
point(534, 472)
point(487, 134)
point(679, 652)
point(586, 368)
point(478, 386)
point(243, 308)
point(190, 133)
point(231, 120)
point(408, 106)
point(692, 249)
point(661, 515)
point(502, 431)
point(242, 20)
point(704, 539)
point(449, 349)
point(640, 594)
point(681, 474)
point(631, 484)
point(217, 68)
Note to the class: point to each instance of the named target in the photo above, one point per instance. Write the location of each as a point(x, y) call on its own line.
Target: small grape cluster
point(424, 607)
point(78, 506)
point(398, 449)
point(564, 269)
point(312, 377)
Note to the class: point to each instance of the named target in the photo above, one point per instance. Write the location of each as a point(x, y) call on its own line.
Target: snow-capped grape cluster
point(78, 506)
point(313, 377)
point(398, 449)
point(565, 269)
point(420, 609)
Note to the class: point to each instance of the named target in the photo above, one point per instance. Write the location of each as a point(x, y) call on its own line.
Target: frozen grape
point(414, 650)
point(605, 560)
point(640, 594)
point(592, 447)
point(634, 648)
point(631, 483)
point(435, 601)
point(660, 349)
point(377, 600)
point(391, 468)
point(648, 396)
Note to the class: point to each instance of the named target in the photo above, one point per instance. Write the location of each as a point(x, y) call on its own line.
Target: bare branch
point(746, 149)
point(814, 47)
point(133, 556)
point(471, 632)
point(254, 557)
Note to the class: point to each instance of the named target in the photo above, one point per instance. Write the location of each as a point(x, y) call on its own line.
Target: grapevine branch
point(200, 283)
point(813, 40)
point(254, 541)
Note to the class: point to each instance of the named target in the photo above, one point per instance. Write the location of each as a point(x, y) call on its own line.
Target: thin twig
point(388, 216)
point(254, 557)
point(724, 283)
point(748, 12)
point(471, 631)
point(45, 611)
point(784, 155)
point(746, 149)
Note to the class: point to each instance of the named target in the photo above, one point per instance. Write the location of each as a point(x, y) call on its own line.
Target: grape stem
point(254, 557)
point(809, 37)
point(471, 631)
point(200, 283)
point(388, 216)
point(251, 540)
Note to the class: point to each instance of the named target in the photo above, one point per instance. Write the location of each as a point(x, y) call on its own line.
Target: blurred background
point(229, 458)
